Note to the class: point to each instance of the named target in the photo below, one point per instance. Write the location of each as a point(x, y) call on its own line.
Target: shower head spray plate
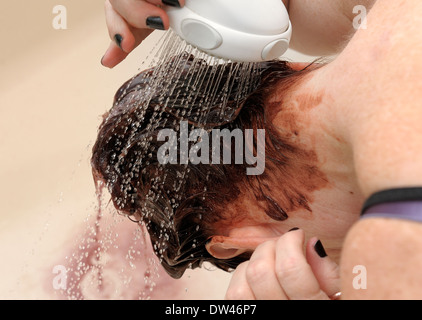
point(236, 30)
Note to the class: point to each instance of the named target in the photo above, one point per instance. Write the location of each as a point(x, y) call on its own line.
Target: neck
point(309, 122)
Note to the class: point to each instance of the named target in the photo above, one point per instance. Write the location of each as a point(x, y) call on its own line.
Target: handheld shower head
point(237, 30)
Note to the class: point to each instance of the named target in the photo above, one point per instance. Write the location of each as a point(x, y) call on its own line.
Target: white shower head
point(237, 30)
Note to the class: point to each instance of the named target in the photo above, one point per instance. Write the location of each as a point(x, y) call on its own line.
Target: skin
point(364, 111)
point(366, 137)
point(128, 19)
point(390, 158)
point(297, 271)
point(311, 35)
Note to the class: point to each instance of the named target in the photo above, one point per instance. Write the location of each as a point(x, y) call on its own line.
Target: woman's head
point(183, 205)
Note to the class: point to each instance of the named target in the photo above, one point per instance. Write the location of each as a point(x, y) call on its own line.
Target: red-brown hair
point(180, 220)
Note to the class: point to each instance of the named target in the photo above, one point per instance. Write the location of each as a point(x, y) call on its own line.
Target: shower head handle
point(237, 30)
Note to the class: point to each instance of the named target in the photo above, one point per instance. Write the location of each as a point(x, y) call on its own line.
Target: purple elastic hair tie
point(404, 204)
point(408, 210)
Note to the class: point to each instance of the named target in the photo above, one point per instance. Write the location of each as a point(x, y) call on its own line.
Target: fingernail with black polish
point(319, 249)
point(173, 3)
point(155, 23)
point(118, 39)
point(294, 229)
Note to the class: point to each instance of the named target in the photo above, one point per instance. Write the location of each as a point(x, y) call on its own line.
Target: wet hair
point(181, 204)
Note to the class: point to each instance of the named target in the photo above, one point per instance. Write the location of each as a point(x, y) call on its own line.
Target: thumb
point(326, 271)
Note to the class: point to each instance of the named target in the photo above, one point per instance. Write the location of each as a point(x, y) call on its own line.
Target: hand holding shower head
point(237, 30)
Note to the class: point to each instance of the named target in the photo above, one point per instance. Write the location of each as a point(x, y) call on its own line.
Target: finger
point(118, 29)
point(113, 56)
point(261, 276)
point(293, 271)
point(172, 3)
point(325, 270)
point(124, 38)
point(137, 12)
point(238, 287)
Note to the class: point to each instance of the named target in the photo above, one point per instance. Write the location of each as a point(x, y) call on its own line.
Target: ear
point(222, 247)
